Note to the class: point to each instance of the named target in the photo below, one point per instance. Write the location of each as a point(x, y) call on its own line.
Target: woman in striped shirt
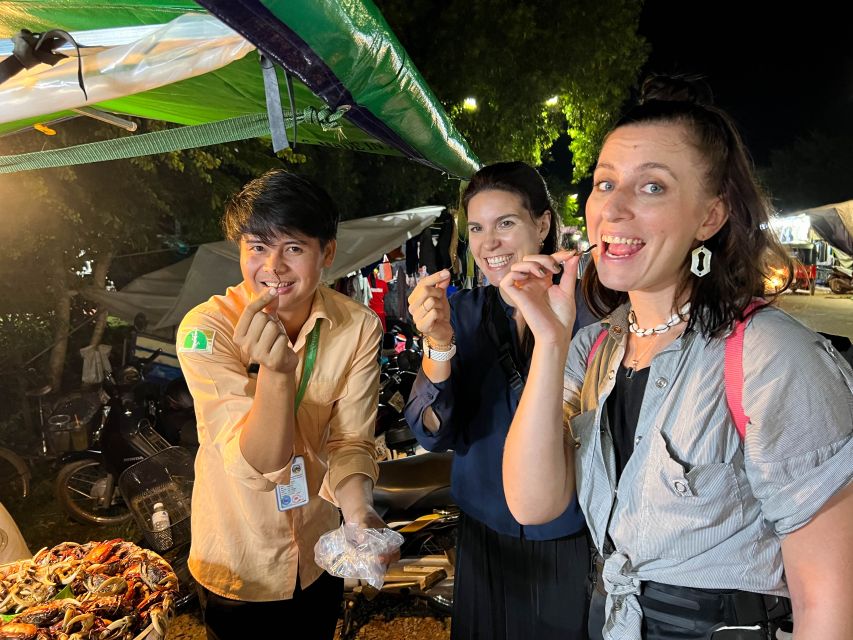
point(699, 528)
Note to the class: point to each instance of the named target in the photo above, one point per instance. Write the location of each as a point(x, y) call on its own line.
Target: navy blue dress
point(512, 581)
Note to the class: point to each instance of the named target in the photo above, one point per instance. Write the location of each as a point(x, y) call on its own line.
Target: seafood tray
point(112, 590)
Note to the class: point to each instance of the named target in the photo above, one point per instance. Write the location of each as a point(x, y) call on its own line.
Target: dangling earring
point(701, 264)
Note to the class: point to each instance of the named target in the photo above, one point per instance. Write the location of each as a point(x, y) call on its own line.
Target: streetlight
point(552, 101)
point(469, 104)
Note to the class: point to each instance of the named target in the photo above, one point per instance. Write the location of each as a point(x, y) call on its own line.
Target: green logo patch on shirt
point(196, 341)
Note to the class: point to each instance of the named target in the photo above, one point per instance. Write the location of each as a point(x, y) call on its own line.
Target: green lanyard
point(308, 365)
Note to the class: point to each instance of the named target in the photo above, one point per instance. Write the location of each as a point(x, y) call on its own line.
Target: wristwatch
point(439, 353)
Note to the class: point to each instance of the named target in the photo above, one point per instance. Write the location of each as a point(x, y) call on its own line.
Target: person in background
point(709, 477)
point(284, 374)
point(511, 581)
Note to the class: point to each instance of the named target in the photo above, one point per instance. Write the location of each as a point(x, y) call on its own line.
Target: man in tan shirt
point(284, 374)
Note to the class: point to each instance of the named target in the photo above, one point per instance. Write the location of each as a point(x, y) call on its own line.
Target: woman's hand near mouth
point(430, 309)
point(547, 308)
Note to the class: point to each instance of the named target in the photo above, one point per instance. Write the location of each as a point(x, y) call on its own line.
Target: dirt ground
point(44, 524)
point(188, 626)
point(824, 311)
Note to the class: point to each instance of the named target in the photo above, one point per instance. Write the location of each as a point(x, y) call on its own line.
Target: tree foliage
point(512, 57)
point(61, 222)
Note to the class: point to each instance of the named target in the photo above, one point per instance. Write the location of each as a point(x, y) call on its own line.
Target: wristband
point(441, 354)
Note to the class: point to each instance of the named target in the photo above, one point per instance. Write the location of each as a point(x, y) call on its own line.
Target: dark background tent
point(834, 223)
point(164, 296)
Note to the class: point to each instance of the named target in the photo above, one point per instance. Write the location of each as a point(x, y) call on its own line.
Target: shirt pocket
point(317, 405)
point(582, 429)
point(689, 509)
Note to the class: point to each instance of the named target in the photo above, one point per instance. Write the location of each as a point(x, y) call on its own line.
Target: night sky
point(779, 72)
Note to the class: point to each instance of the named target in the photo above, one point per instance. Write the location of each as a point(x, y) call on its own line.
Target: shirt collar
point(319, 310)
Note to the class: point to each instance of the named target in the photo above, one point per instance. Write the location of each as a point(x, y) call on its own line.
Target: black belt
point(669, 607)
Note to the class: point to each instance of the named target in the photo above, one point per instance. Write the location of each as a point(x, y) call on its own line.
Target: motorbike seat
point(178, 394)
point(400, 437)
point(422, 480)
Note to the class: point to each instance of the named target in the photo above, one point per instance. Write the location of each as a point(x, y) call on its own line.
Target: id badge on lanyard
point(295, 493)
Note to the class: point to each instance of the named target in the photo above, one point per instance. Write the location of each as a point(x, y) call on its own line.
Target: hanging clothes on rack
point(378, 290)
point(435, 241)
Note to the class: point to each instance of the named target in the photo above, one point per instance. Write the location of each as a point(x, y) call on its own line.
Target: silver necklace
point(676, 318)
point(629, 373)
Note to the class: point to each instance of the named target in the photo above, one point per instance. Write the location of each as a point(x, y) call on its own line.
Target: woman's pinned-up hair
point(745, 251)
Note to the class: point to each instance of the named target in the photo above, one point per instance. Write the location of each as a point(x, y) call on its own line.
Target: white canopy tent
point(166, 295)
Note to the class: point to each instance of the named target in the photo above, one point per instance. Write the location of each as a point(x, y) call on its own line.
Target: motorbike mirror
point(140, 321)
point(129, 375)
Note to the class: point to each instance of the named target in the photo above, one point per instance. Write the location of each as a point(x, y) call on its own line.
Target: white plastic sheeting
point(188, 46)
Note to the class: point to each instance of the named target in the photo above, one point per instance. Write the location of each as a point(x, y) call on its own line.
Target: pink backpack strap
point(733, 367)
point(595, 345)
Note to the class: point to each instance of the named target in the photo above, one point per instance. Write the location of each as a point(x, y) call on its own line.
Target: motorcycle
point(412, 495)
point(127, 432)
point(400, 363)
point(840, 281)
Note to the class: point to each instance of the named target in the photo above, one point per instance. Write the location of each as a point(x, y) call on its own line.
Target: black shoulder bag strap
point(496, 325)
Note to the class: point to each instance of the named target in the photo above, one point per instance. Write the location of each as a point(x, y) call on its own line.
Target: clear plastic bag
point(352, 552)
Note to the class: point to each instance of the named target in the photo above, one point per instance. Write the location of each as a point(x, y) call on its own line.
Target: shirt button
point(611, 374)
point(660, 383)
point(617, 330)
point(680, 486)
point(637, 440)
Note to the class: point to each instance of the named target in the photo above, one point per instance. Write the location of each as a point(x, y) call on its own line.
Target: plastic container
point(161, 523)
point(66, 433)
point(161, 483)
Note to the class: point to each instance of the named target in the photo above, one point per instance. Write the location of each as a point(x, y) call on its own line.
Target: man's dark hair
point(278, 203)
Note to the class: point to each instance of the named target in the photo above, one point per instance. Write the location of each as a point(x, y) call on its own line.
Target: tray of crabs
point(111, 590)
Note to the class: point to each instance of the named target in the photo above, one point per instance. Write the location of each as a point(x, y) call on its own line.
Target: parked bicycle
point(52, 424)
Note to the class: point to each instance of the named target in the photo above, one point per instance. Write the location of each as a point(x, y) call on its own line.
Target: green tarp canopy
point(354, 86)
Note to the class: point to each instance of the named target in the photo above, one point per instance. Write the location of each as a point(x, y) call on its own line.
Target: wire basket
point(165, 477)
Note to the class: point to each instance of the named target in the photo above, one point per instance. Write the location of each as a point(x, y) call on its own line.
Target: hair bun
point(682, 88)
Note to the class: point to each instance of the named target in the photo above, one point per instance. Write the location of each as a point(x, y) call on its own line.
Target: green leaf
point(65, 594)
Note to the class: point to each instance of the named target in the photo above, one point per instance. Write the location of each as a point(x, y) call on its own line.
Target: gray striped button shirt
point(694, 507)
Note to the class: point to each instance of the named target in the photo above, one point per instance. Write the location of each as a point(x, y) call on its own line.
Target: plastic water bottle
point(162, 526)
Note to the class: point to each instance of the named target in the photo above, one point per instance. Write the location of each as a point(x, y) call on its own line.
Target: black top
point(623, 412)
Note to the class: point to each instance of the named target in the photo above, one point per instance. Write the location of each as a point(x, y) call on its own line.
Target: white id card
point(295, 493)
